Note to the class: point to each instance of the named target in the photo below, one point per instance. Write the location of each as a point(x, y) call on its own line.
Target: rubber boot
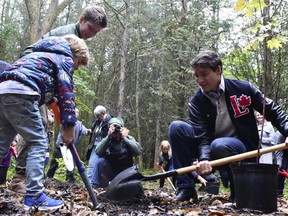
point(18, 183)
point(3, 176)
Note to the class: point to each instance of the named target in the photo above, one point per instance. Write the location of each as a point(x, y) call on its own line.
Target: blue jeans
point(91, 164)
point(19, 114)
point(185, 148)
point(102, 173)
point(22, 148)
point(225, 147)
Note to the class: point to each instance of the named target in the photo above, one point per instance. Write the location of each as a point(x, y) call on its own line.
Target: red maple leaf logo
point(244, 100)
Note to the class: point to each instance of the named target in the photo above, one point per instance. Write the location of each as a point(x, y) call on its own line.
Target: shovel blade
point(126, 185)
point(67, 157)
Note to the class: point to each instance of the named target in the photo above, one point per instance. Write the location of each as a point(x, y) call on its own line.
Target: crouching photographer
point(116, 152)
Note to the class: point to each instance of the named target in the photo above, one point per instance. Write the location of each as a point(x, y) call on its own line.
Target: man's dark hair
point(207, 59)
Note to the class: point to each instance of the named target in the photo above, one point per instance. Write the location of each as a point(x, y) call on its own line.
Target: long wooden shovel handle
point(235, 158)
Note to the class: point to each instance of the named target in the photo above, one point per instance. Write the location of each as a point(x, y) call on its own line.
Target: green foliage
point(263, 28)
point(274, 43)
point(60, 173)
point(9, 42)
point(248, 7)
point(241, 65)
point(82, 89)
point(11, 169)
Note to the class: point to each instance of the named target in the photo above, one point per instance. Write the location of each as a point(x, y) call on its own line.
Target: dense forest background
point(140, 64)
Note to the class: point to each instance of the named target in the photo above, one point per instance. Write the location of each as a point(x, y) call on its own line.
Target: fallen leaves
point(155, 202)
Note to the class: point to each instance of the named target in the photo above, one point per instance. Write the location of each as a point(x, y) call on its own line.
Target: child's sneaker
point(42, 203)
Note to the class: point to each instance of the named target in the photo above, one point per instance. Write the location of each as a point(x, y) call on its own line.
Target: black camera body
point(117, 128)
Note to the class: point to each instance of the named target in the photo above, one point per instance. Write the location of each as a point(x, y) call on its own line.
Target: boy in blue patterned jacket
point(31, 81)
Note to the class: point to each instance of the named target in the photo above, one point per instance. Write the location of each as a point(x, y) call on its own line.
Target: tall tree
point(161, 38)
point(267, 60)
point(264, 38)
point(123, 60)
point(39, 24)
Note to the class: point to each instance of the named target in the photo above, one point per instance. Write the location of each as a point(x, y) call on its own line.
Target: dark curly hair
point(207, 59)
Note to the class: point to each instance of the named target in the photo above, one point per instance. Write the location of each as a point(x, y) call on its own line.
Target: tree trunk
point(33, 31)
point(267, 60)
point(182, 72)
point(123, 60)
point(35, 28)
point(52, 13)
point(5, 10)
point(137, 100)
point(159, 116)
point(157, 140)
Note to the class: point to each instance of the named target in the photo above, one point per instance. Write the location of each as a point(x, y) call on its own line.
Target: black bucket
point(255, 186)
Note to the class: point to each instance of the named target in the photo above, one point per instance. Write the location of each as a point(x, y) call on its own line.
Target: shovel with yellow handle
point(127, 184)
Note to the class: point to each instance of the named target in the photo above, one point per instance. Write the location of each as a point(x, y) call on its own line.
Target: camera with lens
point(117, 128)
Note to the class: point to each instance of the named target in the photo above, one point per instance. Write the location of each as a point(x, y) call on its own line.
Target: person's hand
point(159, 166)
point(124, 132)
point(67, 134)
point(111, 129)
point(89, 131)
point(203, 167)
point(202, 180)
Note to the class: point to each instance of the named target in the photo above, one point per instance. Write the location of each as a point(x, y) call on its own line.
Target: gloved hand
point(283, 172)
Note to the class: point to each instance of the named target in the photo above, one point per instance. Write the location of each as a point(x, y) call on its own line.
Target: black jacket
point(241, 98)
point(99, 130)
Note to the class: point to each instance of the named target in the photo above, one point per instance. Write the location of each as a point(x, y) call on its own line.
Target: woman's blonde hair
point(165, 143)
point(78, 47)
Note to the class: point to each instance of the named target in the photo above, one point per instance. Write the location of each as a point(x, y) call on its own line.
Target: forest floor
point(154, 202)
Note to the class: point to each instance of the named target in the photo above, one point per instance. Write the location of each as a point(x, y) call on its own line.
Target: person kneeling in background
point(165, 160)
point(116, 152)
